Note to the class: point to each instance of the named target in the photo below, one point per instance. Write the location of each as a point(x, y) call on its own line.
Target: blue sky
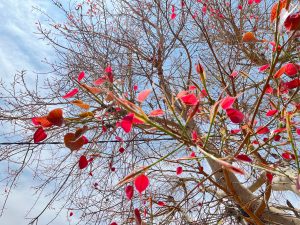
point(20, 49)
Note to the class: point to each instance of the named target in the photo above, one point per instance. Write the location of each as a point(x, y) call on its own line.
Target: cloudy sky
point(20, 49)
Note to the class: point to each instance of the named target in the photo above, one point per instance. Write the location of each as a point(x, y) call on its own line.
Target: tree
point(188, 96)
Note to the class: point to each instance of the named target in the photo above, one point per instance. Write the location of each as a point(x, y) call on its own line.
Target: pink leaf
point(71, 93)
point(264, 68)
point(39, 135)
point(108, 69)
point(141, 183)
point(127, 122)
point(234, 74)
point(243, 157)
point(189, 99)
point(227, 102)
point(156, 112)
point(179, 170)
point(235, 115)
point(271, 112)
point(143, 95)
point(100, 81)
point(129, 192)
point(81, 76)
point(83, 162)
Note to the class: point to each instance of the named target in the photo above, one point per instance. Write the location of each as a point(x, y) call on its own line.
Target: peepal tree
point(164, 112)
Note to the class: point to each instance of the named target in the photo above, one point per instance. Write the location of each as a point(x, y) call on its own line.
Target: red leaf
point(41, 121)
point(279, 72)
point(291, 69)
point(235, 131)
point(269, 176)
point(113, 223)
point(71, 93)
point(127, 122)
point(189, 99)
point(277, 137)
point(39, 135)
point(108, 69)
point(243, 157)
point(55, 117)
point(235, 115)
point(262, 130)
point(86, 141)
point(161, 204)
point(179, 170)
point(71, 214)
point(137, 217)
point(292, 84)
point(143, 95)
point(141, 183)
point(286, 155)
point(81, 76)
point(129, 192)
point(292, 22)
point(264, 68)
point(156, 112)
point(83, 162)
point(227, 102)
point(298, 131)
point(271, 112)
point(121, 150)
point(193, 155)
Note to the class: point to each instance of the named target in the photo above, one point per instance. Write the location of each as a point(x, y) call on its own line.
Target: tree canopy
point(162, 112)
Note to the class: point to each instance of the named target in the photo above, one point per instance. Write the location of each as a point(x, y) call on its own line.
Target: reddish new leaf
point(235, 115)
point(83, 162)
point(129, 192)
point(141, 183)
point(39, 135)
point(243, 157)
point(227, 102)
point(71, 93)
point(81, 76)
point(143, 95)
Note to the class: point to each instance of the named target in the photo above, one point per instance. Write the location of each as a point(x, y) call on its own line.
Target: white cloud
point(20, 49)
